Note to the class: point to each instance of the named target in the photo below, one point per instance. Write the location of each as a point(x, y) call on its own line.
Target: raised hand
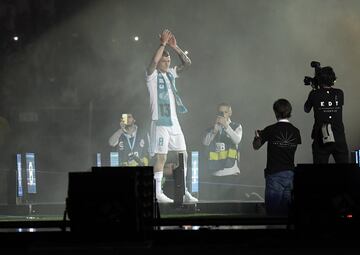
point(222, 121)
point(216, 128)
point(165, 36)
point(172, 42)
point(122, 125)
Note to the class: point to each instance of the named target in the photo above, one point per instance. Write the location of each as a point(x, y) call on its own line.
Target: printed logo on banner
point(30, 171)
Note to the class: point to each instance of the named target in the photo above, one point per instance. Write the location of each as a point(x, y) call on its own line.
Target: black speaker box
point(111, 199)
point(326, 196)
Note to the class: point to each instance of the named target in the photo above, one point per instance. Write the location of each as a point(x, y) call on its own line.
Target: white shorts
point(162, 140)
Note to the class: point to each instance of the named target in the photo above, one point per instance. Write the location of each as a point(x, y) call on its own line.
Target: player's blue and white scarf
point(164, 111)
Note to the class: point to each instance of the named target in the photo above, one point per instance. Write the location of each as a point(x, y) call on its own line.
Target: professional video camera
point(313, 81)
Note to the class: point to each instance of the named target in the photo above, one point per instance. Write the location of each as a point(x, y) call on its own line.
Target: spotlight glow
point(16, 38)
point(136, 38)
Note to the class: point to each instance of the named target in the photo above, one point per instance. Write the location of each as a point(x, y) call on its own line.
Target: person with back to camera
point(283, 139)
point(328, 131)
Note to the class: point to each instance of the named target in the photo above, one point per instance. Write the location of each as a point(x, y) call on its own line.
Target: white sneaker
point(162, 198)
point(188, 198)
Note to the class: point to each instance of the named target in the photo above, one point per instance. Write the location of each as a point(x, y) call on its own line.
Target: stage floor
point(206, 227)
point(224, 207)
point(189, 216)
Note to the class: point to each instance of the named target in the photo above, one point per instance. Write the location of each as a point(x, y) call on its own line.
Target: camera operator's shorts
point(163, 139)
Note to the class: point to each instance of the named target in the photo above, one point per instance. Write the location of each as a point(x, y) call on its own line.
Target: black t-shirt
point(282, 138)
point(327, 104)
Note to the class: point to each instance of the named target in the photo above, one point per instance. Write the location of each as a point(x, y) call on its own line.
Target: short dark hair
point(327, 76)
point(282, 108)
point(224, 104)
point(165, 53)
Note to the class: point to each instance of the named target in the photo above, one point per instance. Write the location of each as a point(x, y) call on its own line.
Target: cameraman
point(328, 131)
point(131, 143)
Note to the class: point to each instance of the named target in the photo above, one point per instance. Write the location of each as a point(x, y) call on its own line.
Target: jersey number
point(161, 141)
point(165, 110)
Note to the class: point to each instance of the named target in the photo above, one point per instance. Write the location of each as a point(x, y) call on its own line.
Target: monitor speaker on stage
point(326, 196)
point(112, 200)
point(179, 182)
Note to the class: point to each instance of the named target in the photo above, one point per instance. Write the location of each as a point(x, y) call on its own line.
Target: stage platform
point(50, 217)
point(221, 227)
point(224, 207)
point(225, 239)
point(33, 209)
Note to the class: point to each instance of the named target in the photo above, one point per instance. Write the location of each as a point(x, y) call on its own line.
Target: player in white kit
point(166, 134)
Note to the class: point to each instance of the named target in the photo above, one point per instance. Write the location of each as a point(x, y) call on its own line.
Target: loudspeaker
point(325, 196)
point(111, 199)
point(179, 181)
